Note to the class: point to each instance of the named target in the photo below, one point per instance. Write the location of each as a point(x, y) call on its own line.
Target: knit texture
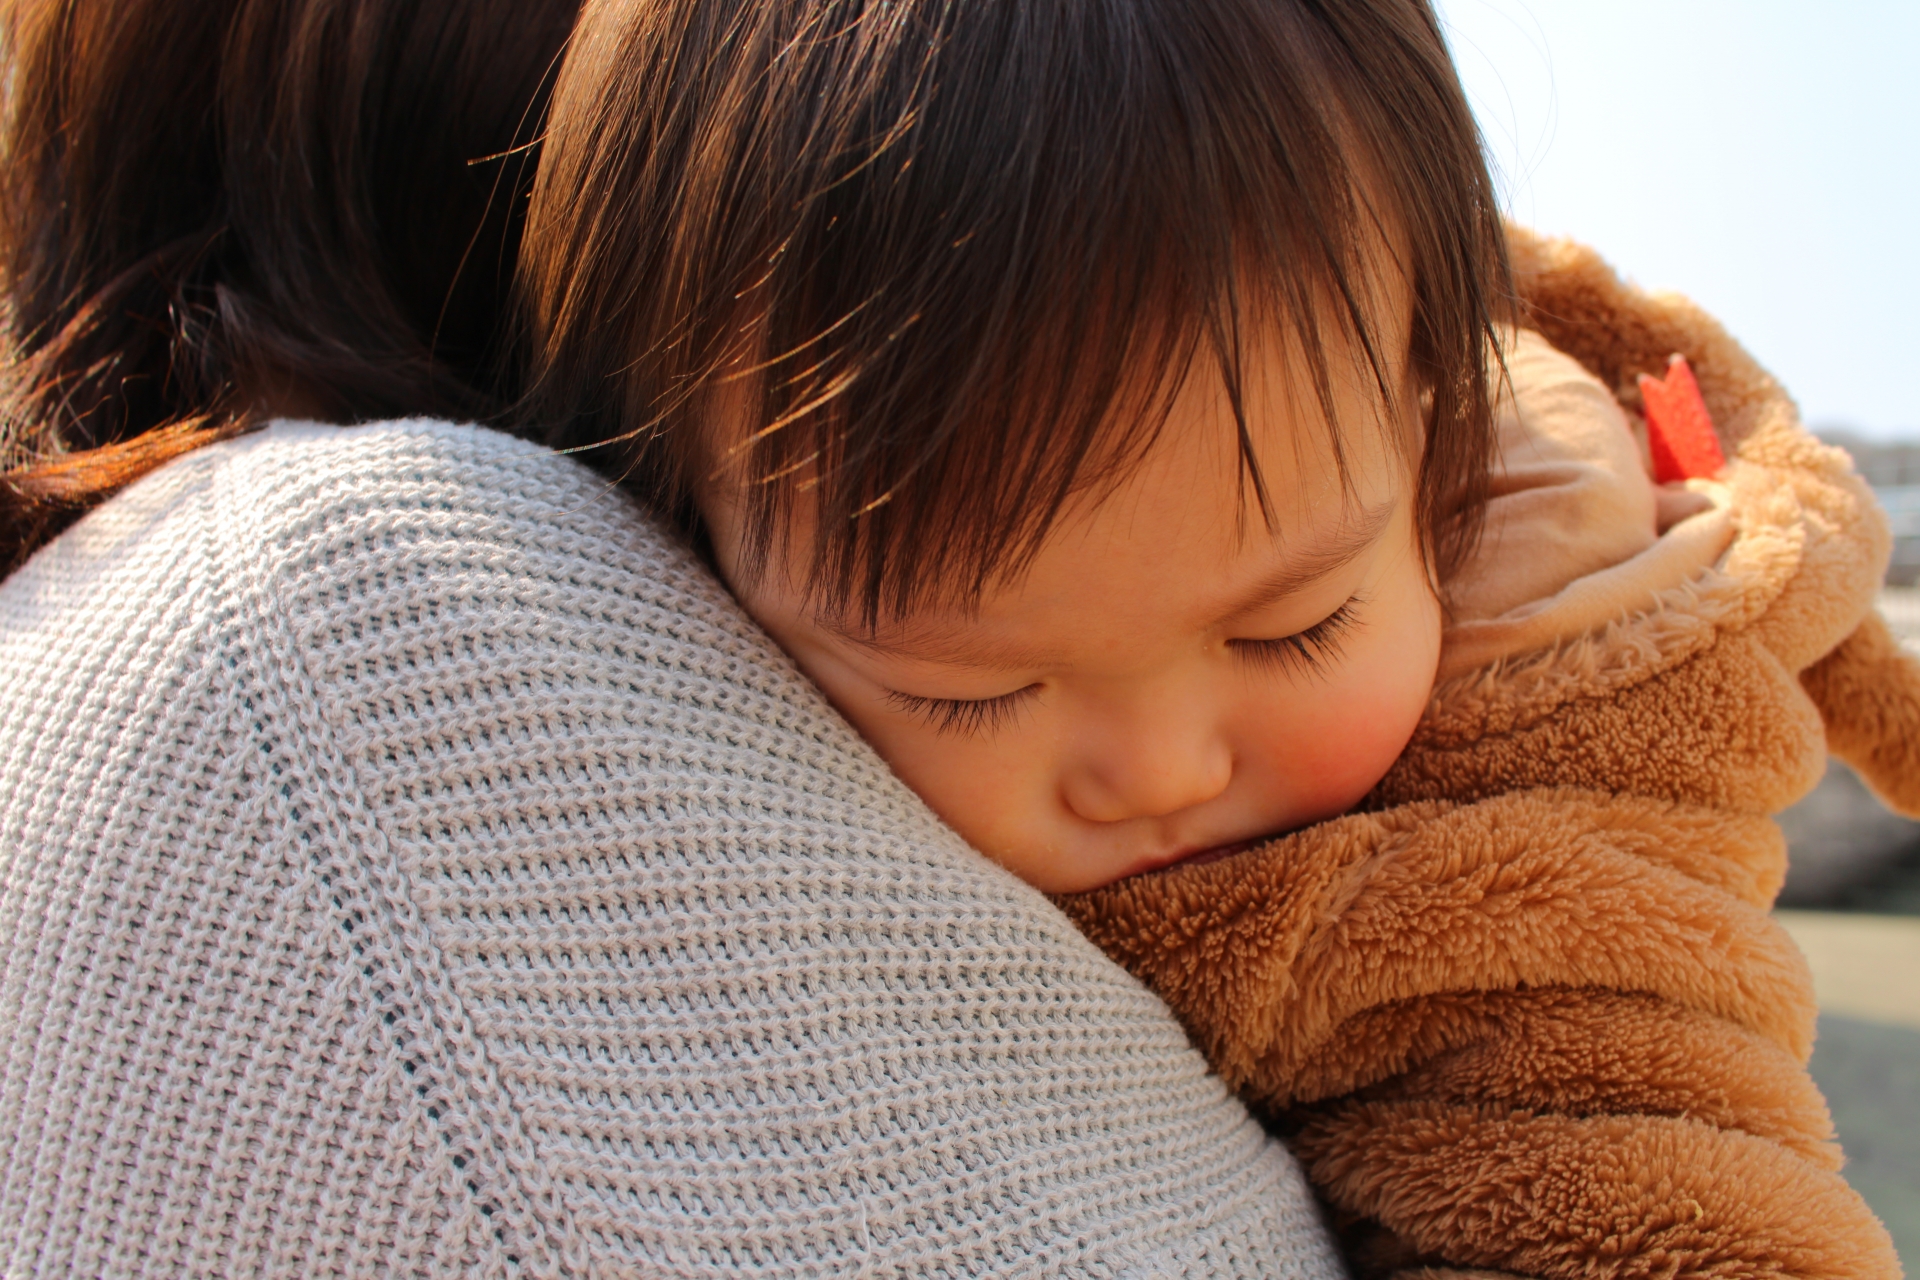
point(413, 862)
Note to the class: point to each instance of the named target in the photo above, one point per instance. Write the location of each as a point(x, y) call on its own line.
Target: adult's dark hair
point(943, 242)
point(211, 205)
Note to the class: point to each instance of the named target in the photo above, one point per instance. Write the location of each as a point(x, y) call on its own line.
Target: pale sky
point(1761, 156)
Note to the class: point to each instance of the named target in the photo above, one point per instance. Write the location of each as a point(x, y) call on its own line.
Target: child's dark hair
point(942, 239)
point(948, 234)
point(210, 204)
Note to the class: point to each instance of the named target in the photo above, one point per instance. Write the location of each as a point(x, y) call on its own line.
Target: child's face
point(1171, 678)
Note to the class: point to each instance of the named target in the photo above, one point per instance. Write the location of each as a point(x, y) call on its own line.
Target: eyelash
point(963, 715)
point(1309, 652)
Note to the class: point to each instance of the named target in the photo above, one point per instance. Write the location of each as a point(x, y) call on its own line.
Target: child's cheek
point(1341, 747)
point(995, 793)
point(1328, 746)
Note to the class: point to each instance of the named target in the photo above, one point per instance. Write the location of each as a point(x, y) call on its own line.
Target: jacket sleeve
point(1545, 1033)
point(1868, 692)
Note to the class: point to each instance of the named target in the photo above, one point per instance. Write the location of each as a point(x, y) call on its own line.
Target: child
point(1095, 400)
point(1527, 1010)
point(1088, 397)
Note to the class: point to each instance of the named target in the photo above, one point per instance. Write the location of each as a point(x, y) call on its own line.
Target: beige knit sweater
point(411, 862)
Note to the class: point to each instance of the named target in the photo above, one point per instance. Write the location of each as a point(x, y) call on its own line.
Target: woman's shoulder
point(301, 487)
point(403, 793)
point(306, 524)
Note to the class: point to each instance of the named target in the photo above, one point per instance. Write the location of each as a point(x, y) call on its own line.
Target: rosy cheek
point(1330, 749)
point(1363, 742)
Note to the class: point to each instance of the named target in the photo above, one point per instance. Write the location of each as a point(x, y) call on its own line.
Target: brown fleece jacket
point(1526, 1011)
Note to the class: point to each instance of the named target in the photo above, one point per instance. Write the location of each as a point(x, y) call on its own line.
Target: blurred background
point(1763, 157)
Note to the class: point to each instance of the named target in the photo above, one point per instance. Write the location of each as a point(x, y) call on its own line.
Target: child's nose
point(1147, 772)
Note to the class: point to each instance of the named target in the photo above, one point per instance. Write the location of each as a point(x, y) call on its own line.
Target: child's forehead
point(1183, 531)
point(1069, 580)
point(1236, 457)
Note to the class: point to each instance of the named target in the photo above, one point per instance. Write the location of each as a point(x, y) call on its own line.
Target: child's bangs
point(974, 249)
point(928, 461)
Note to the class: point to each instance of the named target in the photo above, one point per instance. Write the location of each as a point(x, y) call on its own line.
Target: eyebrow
point(1309, 566)
point(1302, 569)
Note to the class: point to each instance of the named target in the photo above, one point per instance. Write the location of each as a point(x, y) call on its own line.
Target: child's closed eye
point(1311, 651)
point(963, 715)
point(1308, 652)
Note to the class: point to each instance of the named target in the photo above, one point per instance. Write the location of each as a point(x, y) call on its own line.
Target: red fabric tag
point(1679, 428)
